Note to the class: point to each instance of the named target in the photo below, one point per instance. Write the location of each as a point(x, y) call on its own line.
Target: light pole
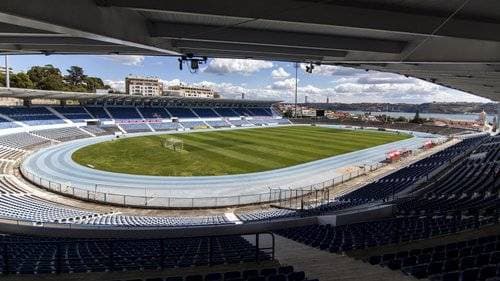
point(296, 85)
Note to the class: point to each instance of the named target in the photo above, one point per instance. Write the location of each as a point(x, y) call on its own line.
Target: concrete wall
point(364, 215)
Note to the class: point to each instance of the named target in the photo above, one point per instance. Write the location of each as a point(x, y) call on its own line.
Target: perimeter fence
point(273, 195)
point(285, 197)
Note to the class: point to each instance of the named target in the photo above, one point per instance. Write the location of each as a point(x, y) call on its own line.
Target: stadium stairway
point(326, 266)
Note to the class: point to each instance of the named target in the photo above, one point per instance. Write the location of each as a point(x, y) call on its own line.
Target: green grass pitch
point(228, 152)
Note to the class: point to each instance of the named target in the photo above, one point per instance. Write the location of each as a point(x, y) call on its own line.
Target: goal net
point(173, 144)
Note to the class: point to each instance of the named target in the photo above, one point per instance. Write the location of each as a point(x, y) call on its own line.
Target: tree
point(47, 77)
point(401, 119)
point(93, 83)
point(75, 76)
point(417, 118)
point(288, 114)
point(21, 80)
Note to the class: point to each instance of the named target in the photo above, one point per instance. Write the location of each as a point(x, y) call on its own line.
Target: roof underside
point(455, 43)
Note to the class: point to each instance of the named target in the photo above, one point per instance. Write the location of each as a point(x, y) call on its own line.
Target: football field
point(227, 152)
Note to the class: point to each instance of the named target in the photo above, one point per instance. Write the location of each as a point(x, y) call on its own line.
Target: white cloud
point(287, 84)
point(117, 85)
point(362, 86)
point(311, 90)
point(130, 60)
point(239, 66)
point(347, 85)
point(279, 73)
point(172, 82)
point(348, 92)
point(386, 87)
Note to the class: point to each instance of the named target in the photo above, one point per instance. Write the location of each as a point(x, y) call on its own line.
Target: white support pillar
point(7, 73)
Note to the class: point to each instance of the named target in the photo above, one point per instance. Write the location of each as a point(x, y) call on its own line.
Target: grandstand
point(23, 141)
point(465, 197)
point(132, 119)
point(431, 216)
point(62, 134)
point(27, 129)
point(395, 126)
point(136, 119)
point(450, 192)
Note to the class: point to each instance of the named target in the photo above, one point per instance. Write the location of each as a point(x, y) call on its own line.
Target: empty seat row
point(32, 116)
point(22, 141)
point(131, 221)
point(402, 179)
point(95, 130)
point(267, 214)
point(193, 124)
point(6, 167)
point(338, 239)
point(62, 134)
point(10, 154)
point(32, 255)
point(73, 113)
point(283, 273)
point(135, 127)
point(32, 208)
point(165, 126)
point(38, 115)
point(9, 186)
point(426, 214)
point(475, 259)
point(219, 124)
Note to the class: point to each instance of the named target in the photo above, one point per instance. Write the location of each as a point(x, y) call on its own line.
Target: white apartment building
point(191, 92)
point(143, 86)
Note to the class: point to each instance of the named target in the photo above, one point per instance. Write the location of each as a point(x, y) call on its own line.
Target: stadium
point(122, 187)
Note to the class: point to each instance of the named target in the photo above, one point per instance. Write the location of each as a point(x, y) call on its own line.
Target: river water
point(410, 115)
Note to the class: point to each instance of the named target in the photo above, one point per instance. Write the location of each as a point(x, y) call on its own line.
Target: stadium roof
point(30, 94)
point(454, 43)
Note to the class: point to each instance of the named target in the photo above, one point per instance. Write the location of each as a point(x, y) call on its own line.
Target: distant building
point(2, 70)
point(10, 102)
point(308, 112)
point(102, 91)
point(191, 92)
point(143, 86)
point(483, 117)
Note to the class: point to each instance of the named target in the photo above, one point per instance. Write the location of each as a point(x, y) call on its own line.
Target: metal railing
point(280, 196)
point(314, 198)
point(274, 195)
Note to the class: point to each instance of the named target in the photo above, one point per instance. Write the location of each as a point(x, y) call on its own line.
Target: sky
point(258, 79)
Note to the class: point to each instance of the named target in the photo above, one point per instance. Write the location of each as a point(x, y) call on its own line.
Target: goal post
point(173, 144)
